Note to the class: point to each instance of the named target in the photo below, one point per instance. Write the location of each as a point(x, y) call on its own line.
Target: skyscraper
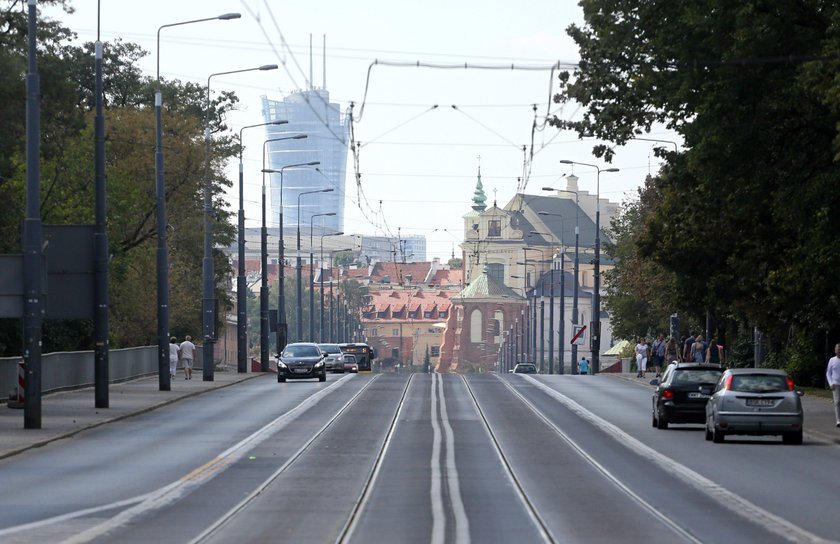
point(328, 138)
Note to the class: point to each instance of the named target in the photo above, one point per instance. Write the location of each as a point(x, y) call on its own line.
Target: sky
point(418, 163)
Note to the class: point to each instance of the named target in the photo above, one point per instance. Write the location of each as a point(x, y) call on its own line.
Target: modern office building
point(327, 140)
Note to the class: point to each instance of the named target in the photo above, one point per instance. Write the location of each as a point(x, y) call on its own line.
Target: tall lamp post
point(241, 287)
point(561, 359)
point(321, 336)
point(299, 323)
point(208, 305)
point(596, 295)
point(312, 274)
point(282, 328)
point(164, 378)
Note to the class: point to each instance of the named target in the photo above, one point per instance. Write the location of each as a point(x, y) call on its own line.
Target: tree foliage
point(739, 222)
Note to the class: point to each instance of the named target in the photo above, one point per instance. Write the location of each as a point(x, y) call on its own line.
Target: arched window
point(475, 326)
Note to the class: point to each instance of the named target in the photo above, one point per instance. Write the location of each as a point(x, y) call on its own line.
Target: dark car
point(350, 363)
point(301, 360)
point(525, 368)
point(755, 401)
point(682, 393)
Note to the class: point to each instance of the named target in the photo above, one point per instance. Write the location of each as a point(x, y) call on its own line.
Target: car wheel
point(322, 378)
point(717, 435)
point(281, 379)
point(794, 438)
point(661, 422)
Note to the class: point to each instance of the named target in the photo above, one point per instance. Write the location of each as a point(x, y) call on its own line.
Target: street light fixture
point(164, 378)
point(321, 279)
point(282, 328)
point(312, 275)
point(241, 287)
point(596, 295)
point(299, 320)
point(208, 306)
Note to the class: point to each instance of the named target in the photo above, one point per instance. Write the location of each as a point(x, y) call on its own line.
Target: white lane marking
point(462, 522)
point(171, 492)
point(723, 496)
point(436, 491)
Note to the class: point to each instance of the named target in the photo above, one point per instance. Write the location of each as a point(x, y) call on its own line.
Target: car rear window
point(759, 383)
point(696, 375)
point(526, 369)
point(330, 348)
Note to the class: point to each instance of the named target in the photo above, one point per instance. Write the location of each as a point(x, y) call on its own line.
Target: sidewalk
point(66, 413)
point(819, 412)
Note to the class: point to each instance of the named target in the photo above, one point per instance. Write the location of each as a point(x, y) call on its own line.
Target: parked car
point(680, 396)
point(301, 360)
point(350, 363)
point(335, 357)
point(755, 401)
point(525, 368)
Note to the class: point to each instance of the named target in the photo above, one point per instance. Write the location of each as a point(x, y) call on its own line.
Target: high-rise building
point(327, 133)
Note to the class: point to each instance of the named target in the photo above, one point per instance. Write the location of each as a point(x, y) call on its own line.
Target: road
point(422, 458)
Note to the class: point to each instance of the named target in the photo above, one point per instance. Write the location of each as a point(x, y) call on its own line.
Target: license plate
point(760, 402)
point(697, 396)
point(301, 370)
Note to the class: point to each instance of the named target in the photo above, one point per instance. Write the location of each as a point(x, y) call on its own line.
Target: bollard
point(18, 394)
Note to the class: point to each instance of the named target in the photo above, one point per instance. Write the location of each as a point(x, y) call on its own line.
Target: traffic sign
point(578, 336)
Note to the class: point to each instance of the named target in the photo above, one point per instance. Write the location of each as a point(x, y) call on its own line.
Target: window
point(395, 353)
point(496, 271)
point(395, 332)
point(414, 315)
point(475, 327)
point(494, 228)
point(427, 315)
point(443, 314)
point(434, 351)
point(494, 327)
point(373, 331)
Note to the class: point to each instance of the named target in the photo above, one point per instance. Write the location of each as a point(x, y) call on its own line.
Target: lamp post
point(208, 305)
point(561, 359)
point(241, 288)
point(312, 275)
point(164, 379)
point(596, 295)
point(321, 279)
point(299, 323)
point(282, 328)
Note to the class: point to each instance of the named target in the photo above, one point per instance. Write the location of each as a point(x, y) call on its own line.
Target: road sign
point(578, 336)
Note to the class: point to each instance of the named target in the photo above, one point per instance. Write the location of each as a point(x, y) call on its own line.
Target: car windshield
point(759, 383)
point(301, 351)
point(525, 369)
point(349, 358)
point(692, 376)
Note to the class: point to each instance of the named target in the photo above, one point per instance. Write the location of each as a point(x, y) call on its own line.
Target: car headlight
point(319, 364)
point(281, 364)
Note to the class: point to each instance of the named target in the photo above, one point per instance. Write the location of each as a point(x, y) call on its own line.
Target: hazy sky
point(418, 163)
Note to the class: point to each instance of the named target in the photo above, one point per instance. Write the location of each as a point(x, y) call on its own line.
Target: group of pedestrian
point(661, 352)
point(183, 352)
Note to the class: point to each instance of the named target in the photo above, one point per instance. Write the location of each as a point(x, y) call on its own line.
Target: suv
point(335, 358)
point(682, 393)
point(525, 368)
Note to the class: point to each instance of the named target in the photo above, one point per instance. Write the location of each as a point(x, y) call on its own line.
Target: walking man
point(832, 376)
point(187, 355)
point(174, 352)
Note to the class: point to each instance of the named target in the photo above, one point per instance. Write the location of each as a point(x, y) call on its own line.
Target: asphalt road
point(426, 458)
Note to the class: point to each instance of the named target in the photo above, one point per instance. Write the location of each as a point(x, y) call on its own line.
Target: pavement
point(66, 413)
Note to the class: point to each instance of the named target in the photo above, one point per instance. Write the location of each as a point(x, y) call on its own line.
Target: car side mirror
point(654, 381)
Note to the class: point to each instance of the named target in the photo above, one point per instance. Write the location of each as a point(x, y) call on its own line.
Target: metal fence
point(75, 369)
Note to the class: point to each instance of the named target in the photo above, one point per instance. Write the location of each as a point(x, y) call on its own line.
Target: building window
point(427, 315)
point(443, 314)
point(475, 327)
point(395, 332)
point(395, 353)
point(494, 228)
point(497, 272)
point(434, 351)
point(414, 314)
point(495, 328)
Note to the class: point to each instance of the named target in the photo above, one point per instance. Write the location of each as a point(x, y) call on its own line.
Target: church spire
point(479, 198)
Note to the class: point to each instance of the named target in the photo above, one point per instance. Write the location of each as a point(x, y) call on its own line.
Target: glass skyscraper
point(328, 139)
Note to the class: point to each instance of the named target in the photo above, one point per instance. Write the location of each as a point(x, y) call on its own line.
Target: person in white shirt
point(187, 355)
point(641, 358)
point(832, 376)
point(173, 356)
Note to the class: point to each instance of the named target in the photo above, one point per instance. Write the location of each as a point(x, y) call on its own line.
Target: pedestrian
point(686, 349)
point(672, 351)
point(641, 358)
point(187, 352)
point(698, 350)
point(174, 352)
point(583, 366)
point(713, 352)
point(832, 376)
point(658, 351)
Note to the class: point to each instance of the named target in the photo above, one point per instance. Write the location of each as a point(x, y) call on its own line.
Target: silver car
point(335, 358)
point(754, 401)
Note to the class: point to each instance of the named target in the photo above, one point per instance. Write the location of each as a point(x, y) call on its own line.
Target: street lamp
point(312, 275)
point(562, 331)
point(208, 305)
point(321, 278)
point(282, 328)
point(164, 378)
point(241, 287)
point(596, 295)
point(299, 280)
